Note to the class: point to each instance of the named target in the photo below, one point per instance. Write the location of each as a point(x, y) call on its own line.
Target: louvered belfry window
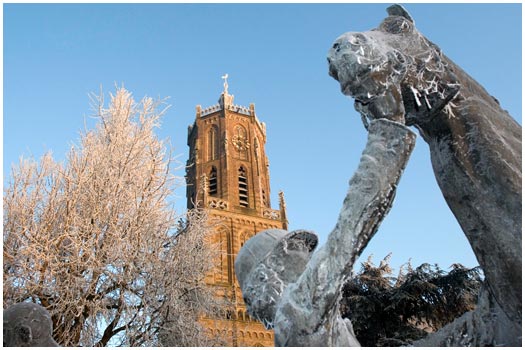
point(213, 182)
point(243, 188)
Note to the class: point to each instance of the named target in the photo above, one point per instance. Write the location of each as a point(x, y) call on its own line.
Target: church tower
point(227, 173)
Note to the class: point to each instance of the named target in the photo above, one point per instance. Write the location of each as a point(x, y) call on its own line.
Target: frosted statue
point(27, 324)
point(296, 291)
point(399, 78)
point(475, 148)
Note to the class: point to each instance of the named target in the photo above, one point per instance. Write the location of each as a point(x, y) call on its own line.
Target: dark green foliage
point(389, 311)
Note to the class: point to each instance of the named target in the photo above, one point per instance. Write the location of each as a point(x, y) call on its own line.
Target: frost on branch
point(95, 240)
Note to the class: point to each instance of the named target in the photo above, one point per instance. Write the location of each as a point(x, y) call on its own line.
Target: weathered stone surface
point(475, 146)
point(298, 295)
point(27, 324)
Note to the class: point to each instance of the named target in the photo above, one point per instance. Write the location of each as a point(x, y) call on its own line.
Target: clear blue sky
point(275, 55)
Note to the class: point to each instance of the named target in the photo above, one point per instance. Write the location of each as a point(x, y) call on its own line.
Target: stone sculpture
point(297, 292)
point(475, 148)
point(27, 324)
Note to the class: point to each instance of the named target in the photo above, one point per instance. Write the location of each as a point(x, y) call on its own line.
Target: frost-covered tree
point(95, 239)
point(394, 311)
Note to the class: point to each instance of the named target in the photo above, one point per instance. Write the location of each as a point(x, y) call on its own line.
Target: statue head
point(27, 324)
point(389, 61)
point(267, 263)
point(362, 65)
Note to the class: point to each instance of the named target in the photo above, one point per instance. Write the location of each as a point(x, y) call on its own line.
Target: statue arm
point(307, 302)
point(370, 195)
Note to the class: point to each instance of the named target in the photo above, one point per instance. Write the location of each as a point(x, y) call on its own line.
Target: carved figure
point(297, 292)
point(475, 148)
point(27, 324)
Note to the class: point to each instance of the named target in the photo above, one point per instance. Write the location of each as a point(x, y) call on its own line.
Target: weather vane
point(225, 77)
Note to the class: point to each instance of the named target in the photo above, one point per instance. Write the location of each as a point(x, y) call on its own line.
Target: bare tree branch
point(96, 241)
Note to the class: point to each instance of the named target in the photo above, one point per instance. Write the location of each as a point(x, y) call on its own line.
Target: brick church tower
point(227, 173)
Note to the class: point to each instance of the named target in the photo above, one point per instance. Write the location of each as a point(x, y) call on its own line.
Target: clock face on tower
point(240, 142)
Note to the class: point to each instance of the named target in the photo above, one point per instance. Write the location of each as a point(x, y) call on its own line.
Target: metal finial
point(225, 77)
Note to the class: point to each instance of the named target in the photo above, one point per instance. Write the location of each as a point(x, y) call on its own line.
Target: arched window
point(221, 267)
point(213, 143)
point(243, 188)
point(213, 182)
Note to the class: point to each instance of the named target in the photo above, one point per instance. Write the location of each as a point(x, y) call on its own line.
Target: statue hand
point(388, 106)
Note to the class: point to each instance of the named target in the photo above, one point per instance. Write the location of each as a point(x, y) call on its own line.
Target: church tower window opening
point(213, 182)
point(263, 194)
point(243, 188)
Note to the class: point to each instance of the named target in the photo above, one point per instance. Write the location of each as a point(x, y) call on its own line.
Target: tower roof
point(225, 102)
